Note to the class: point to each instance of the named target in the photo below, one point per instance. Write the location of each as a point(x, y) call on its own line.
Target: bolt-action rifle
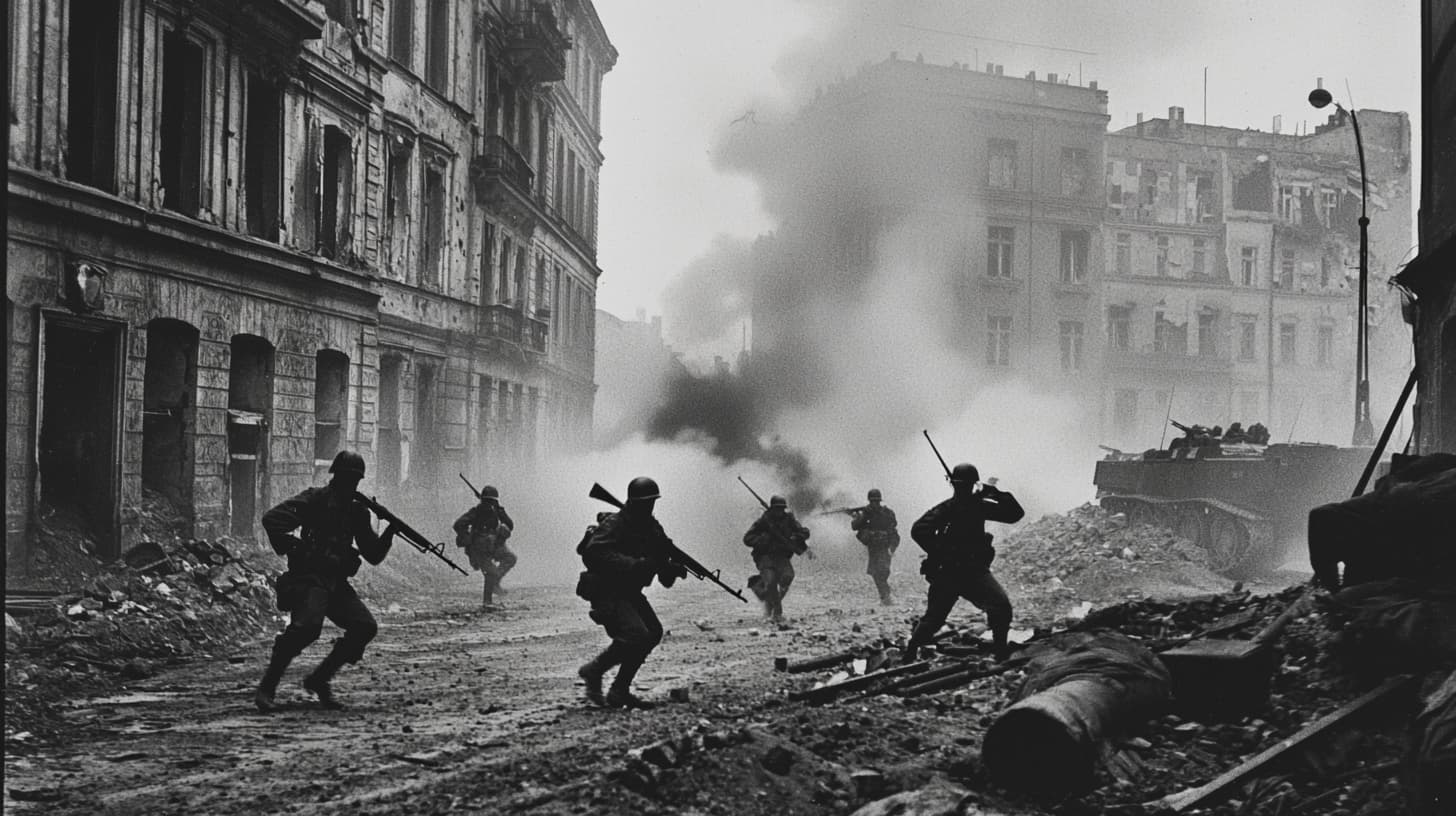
point(775, 530)
point(409, 533)
point(674, 553)
point(471, 486)
point(848, 511)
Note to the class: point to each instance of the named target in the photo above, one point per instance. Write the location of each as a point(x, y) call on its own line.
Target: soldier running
point(622, 556)
point(321, 559)
point(876, 528)
point(775, 537)
point(482, 532)
point(958, 557)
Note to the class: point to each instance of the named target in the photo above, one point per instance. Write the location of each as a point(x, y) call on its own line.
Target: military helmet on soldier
point(964, 473)
point(874, 494)
point(642, 488)
point(489, 493)
point(778, 501)
point(348, 462)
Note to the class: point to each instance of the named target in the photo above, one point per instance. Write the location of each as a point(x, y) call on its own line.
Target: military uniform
point(622, 555)
point(775, 538)
point(335, 534)
point(482, 532)
point(958, 558)
point(877, 529)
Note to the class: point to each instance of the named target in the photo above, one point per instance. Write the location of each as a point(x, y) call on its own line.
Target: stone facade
point(203, 305)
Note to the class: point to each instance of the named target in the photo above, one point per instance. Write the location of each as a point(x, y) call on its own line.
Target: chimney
point(1092, 86)
point(990, 67)
point(1175, 121)
point(1052, 78)
point(657, 326)
point(1278, 122)
point(1000, 70)
point(1140, 123)
point(1031, 75)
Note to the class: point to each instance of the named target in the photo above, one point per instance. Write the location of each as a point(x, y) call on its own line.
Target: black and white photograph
point(521, 407)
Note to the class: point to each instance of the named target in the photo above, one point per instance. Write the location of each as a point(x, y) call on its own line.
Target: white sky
point(689, 67)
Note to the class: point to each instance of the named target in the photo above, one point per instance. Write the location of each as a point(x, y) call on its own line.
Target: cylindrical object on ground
point(1049, 742)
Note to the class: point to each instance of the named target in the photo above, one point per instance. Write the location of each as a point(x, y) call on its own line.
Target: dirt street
point(456, 709)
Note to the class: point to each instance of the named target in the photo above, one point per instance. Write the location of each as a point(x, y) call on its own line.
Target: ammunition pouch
point(592, 587)
point(290, 587)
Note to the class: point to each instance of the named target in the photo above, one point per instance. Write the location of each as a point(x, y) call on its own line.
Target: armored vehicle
point(1246, 505)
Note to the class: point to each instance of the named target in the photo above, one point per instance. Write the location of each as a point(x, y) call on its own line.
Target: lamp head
point(1319, 97)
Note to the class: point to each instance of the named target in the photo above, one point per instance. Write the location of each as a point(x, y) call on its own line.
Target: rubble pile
point(126, 620)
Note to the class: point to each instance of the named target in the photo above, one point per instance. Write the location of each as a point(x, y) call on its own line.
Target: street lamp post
point(1364, 430)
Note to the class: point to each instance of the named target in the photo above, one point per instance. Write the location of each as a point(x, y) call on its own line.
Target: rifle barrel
point(413, 536)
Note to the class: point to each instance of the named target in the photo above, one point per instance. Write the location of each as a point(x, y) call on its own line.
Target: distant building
point(633, 364)
point(1232, 271)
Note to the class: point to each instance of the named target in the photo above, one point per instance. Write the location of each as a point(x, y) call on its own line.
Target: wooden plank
point(1185, 799)
point(821, 662)
point(851, 684)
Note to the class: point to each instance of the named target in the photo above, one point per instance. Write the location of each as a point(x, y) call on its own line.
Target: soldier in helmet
point(482, 531)
point(775, 538)
point(876, 528)
point(625, 551)
point(334, 533)
point(958, 557)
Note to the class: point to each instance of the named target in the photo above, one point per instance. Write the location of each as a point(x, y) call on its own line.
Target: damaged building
point(243, 238)
point(1232, 273)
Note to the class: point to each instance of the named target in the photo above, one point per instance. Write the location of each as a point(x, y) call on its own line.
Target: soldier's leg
point(987, 594)
point(604, 612)
point(505, 562)
point(767, 586)
point(640, 637)
point(939, 601)
point(305, 624)
point(349, 613)
point(879, 570)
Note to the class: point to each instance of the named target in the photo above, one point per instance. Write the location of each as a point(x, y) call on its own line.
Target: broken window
point(1071, 345)
point(1286, 270)
point(1200, 256)
point(330, 403)
point(518, 283)
point(340, 11)
point(180, 141)
point(1325, 346)
point(424, 449)
point(1161, 266)
point(1291, 203)
point(1205, 206)
point(542, 310)
point(263, 157)
point(1329, 205)
point(487, 264)
point(336, 195)
point(1075, 245)
point(1169, 337)
point(998, 340)
point(1119, 328)
point(388, 445)
point(396, 206)
point(1208, 333)
point(483, 391)
point(560, 173)
point(1248, 328)
point(401, 31)
point(1248, 265)
point(1286, 343)
point(1252, 188)
point(167, 402)
point(1000, 242)
point(1124, 253)
point(432, 228)
point(1076, 174)
point(1001, 166)
point(91, 59)
point(437, 45)
point(250, 396)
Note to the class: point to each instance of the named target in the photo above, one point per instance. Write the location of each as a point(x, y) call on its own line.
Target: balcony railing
point(535, 42)
point(533, 334)
point(501, 321)
point(502, 162)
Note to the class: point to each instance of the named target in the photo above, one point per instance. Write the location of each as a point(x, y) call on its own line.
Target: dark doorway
point(330, 404)
point(250, 399)
point(388, 443)
point(167, 412)
point(1446, 388)
point(78, 426)
point(424, 454)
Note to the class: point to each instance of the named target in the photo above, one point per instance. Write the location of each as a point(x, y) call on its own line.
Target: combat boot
point(1000, 646)
point(268, 686)
point(318, 681)
point(592, 677)
point(624, 698)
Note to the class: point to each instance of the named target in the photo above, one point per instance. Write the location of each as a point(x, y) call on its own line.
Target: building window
point(1203, 197)
point(1001, 167)
point(1124, 254)
point(1169, 337)
point(1326, 274)
point(1286, 270)
point(432, 228)
point(999, 244)
point(330, 401)
point(487, 264)
point(1247, 329)
point(1208, 333)
point(91, 59)
point(437, 46)
point(998, 341)
point(1200, 256)
point(1071, 345)
point(1329, 204)
point(1119, 328)
point(1325, 346)
point(401, 31)
point(1161, 265)
point(1248, 265)
point(396, 197)
point(1075, 245)
point(1286, 343)
point(336, 194)
point(1076, 176)
point(340, 11)
point(263, 158)
point(180, 147)
point(1291, 203)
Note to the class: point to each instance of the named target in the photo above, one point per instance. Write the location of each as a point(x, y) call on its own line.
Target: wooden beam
point(827, 691)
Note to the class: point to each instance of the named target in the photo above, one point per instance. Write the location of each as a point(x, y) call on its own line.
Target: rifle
point(417, 540)
point(848, 511)
point(937, 453)
point(471, 486)
point(674, 553)
point(775, 530)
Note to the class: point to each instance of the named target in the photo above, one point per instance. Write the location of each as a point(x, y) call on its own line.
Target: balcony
point(506, 324)
point(535, 43)
point(503, 181)
point(533, 335)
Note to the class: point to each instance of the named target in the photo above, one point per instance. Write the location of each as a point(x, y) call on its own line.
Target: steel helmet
point(489, 492)
point(874, 494)
point(964, 473)
point(642, 488)
point(348, 462)
point(778, 501)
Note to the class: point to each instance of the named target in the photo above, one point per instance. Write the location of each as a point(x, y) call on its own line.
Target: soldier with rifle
point(959, 554)
point(482, 532)
point(876, 528)
point(775, 538)
point(335, 533)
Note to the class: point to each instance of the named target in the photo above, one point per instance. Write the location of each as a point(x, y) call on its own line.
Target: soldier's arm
point(1003, 507)
point(462, 524)
point(280, 522)
point(858, 521)
point(755, 530)
point(505, 518)
point(603, 553)
point(926, 529)
point(373, 547)
point(891, 524)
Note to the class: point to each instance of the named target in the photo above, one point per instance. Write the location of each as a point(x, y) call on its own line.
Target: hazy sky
point(688, 68)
